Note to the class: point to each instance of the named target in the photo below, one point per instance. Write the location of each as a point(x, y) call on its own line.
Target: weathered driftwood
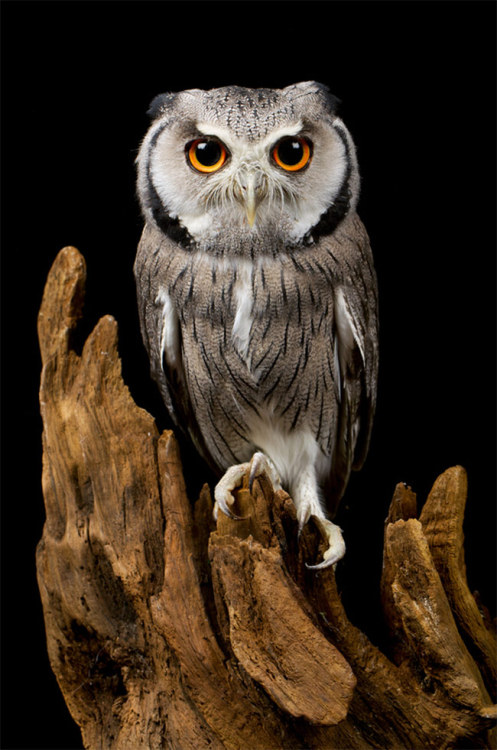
point(165, 631)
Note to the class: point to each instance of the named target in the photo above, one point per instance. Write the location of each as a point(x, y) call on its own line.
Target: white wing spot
point(242, 324)
point(347, 329)
point(169, 339)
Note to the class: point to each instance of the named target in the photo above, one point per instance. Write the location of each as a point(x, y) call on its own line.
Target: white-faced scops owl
point(256, 289)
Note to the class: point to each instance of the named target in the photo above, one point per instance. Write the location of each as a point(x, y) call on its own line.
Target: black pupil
point(290, 151)
point(208, 153)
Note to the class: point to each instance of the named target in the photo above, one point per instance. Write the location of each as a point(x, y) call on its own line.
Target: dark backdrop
point(417, 83)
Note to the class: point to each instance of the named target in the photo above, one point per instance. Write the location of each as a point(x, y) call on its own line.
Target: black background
point(417, 82)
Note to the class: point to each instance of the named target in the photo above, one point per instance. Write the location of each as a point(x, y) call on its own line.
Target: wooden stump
point(164, 630)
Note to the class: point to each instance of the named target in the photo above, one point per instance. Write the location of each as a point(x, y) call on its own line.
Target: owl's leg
point(223, 491)
point(305, 493)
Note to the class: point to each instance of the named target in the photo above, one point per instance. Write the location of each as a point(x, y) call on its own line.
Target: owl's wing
point(356, 352)
point(161, 333)
point(166, 356)
point(162, 337)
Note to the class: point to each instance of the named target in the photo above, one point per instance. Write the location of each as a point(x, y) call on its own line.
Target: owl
point(256, 289)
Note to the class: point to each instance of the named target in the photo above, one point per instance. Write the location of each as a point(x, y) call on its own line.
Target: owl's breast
point(257, 340)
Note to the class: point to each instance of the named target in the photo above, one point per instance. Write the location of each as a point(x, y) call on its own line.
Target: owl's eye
point(292, 153)
point(206, 154)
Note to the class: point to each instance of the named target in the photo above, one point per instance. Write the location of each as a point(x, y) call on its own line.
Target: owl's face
point(235, 166)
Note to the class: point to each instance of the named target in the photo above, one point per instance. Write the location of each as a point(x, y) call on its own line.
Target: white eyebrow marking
point(226, 136)
point(282, 132)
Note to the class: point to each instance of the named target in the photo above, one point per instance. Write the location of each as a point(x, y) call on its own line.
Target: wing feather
point(161, 333)
point(356, 353)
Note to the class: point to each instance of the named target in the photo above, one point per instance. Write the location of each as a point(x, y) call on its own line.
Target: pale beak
point(250, 199)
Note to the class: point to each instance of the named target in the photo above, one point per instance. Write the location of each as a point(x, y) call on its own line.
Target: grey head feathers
point(268, 108)
point(297, 207)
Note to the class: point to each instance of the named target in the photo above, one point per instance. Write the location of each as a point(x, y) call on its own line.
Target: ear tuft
point(334, 103)
point(306, 88)
point(160, 104)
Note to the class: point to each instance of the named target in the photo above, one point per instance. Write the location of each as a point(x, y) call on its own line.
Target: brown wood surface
point(165, 630)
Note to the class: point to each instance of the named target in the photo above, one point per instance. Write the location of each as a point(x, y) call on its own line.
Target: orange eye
point(206, 154)
point(292, 153)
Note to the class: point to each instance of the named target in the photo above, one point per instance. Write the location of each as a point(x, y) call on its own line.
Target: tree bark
point(167, 630)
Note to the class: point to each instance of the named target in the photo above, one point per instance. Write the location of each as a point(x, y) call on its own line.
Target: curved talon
point(323, 564)
point(303, 519)
point(320, 566)
point(253, 473)
point(225, 509)
point(259, 465)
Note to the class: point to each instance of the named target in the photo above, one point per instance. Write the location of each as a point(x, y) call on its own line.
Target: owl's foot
point(336, 544)
point(232, 478)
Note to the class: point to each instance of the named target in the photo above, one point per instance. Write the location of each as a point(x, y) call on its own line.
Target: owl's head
point(232, 168)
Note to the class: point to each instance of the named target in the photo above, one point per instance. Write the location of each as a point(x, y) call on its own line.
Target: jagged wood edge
point(373, 667)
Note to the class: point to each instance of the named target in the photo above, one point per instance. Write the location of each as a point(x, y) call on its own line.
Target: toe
point(223, 500)
point(261, 464)
point(336, 545)
point(224, 488)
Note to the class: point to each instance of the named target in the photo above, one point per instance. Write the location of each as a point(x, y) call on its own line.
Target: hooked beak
point(250, 198)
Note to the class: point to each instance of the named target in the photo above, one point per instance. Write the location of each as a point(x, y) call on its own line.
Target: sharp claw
point(303, 519)
point(223, 505)
point(323, 564)
point(252, 477)
point(259, 464)
point(320, 566)
point(256, 468)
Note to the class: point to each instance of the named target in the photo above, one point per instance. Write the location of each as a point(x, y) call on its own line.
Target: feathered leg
point(305, 493)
